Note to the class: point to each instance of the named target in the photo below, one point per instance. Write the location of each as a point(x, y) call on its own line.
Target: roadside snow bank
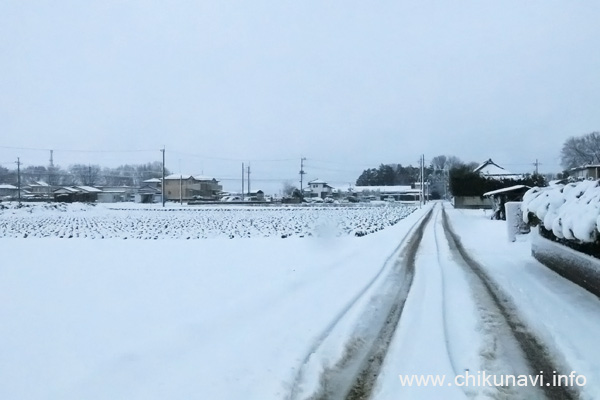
point(570, 211)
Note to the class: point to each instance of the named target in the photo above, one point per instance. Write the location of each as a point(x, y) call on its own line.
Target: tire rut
point(354, 376)
point(536, 354)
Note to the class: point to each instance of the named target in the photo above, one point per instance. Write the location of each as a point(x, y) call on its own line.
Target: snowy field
point(133, 221)
point(262, 317)
point(177, 319)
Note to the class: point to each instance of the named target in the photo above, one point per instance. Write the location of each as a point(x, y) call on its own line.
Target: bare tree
point(581, 150)
point(438, 162)
point(85, 174)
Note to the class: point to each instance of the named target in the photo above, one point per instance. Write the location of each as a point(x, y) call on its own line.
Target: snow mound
point(570, 211)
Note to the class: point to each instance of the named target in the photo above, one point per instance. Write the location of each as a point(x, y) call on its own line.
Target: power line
point(78, 150)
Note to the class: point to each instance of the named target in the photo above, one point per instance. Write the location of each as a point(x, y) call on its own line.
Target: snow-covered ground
point(176, 319)
point(262, 317)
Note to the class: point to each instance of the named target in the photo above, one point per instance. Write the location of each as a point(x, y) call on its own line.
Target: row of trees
point(81, 174)
point(396, 174)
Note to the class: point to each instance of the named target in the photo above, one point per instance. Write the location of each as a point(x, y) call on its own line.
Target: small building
point(118, 193)
point(319, 188)
point(38, 189)
point(500, 197)
point(154, 183)
point(106, 196)
point(591, 171)
point(257, 195)
point(190, 187)
point(70, 194)
point(149, 193)
point(7, 190)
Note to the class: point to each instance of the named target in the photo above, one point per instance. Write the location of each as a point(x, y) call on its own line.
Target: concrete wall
point(580, 268)
point(472, 202)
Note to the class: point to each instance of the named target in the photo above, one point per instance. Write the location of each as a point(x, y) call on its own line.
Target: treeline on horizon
point(82, 174)
point(399, 175)
point(461, 179)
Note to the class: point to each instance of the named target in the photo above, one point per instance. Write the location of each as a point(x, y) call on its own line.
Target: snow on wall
point(570, 211)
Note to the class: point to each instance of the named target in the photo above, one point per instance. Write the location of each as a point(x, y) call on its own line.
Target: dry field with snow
point(104, 221)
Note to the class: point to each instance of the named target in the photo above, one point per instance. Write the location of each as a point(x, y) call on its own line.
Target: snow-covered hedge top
point(570, 211)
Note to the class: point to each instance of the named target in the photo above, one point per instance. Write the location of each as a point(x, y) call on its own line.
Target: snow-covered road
point(455, 321)
point(564, 316)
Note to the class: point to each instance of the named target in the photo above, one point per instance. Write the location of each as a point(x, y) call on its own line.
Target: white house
point(319, 188)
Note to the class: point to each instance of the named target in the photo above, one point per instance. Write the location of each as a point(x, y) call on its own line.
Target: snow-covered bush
point(570, 211)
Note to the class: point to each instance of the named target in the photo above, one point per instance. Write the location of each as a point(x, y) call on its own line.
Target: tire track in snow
point(535, 352)
point(354, 375)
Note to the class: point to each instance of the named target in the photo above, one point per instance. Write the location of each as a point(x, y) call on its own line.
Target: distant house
point(154, 182)
point(490, 169)
point(591, 171)
point(190, 187)
point(319, 188)
point(38, 189)
point(115, 194)
point(257, 195)
point(149, 193)
point(109, 196)
point(69, 194)
point(8, 190)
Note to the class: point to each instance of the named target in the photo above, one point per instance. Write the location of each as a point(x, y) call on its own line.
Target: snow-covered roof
point(88, 189)
point(67, 189)
point(504, 190)
point(39, 183)
point(153, 180)
point(318, 181)
point(490, 169)
point(582, 167)
point(187, 176)
point(6, 186)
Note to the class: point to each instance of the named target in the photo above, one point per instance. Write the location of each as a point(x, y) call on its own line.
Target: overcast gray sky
point(346, 84)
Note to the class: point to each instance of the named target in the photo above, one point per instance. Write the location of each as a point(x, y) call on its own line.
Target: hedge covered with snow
point(569, 211)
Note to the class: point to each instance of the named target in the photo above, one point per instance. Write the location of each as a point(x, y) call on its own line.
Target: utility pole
point(19, 180)
point(536, 163)
point(180, 188)
point(243, 173)
point(302, 174)
point(248, 181)
point(422, 200)
point(50, 172)
point(162, 183)
point(423, 178)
